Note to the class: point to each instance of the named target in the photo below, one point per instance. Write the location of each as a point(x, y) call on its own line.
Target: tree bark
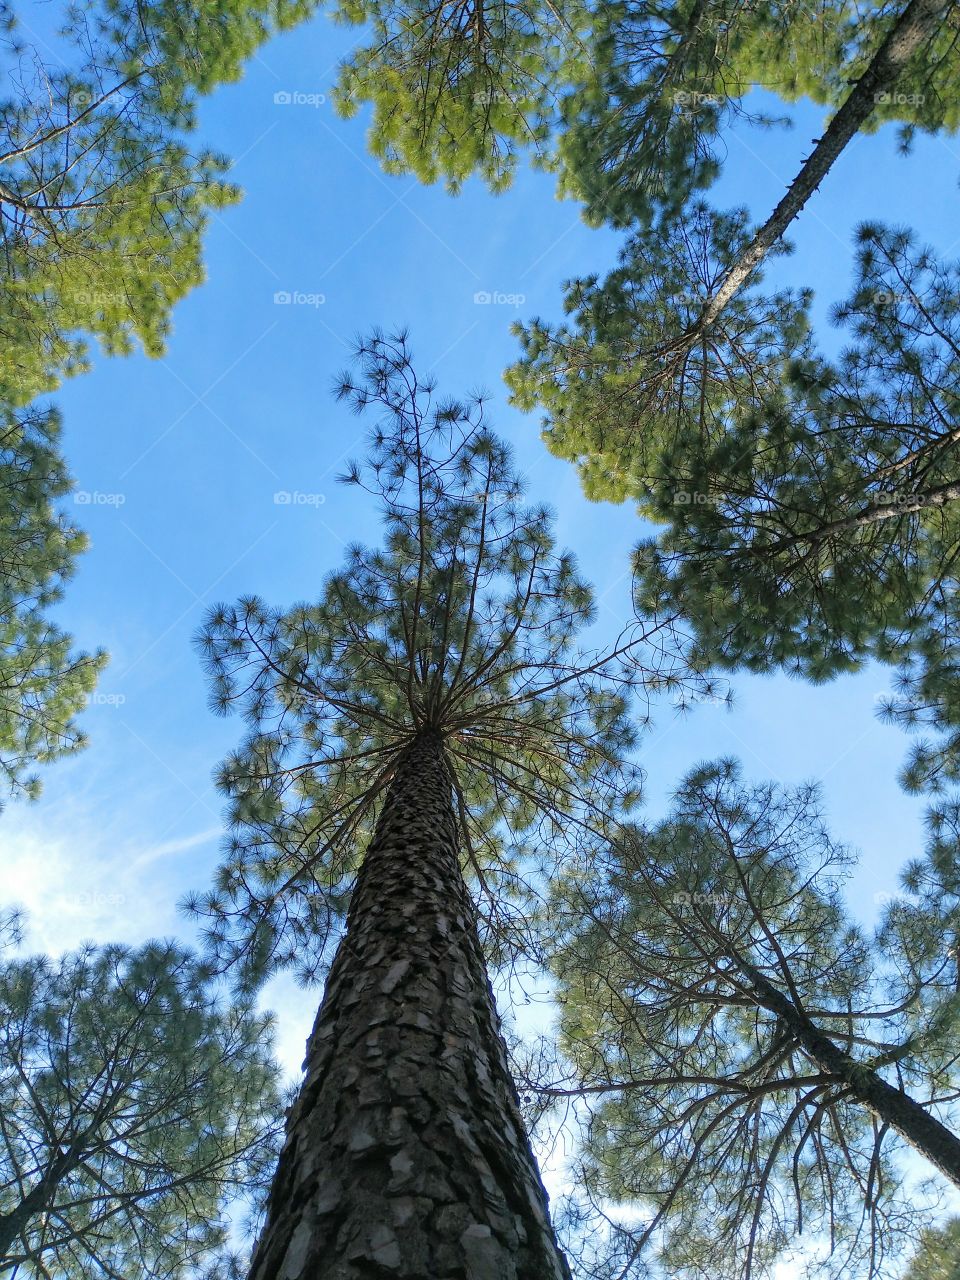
point(405, 1153)
point(920, 19)
point(913, 1122)
point(39, 1198)
point(13, 1223)
point(911, 504)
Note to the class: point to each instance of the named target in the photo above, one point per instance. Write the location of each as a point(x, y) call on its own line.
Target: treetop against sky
point(464, 620)
point(207, 474)
point(261, 425)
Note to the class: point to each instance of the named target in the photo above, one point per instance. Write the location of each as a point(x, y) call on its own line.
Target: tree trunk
point(920, 19)
point(38, 1199)
point(13, 1223)
point(906, 504)
point(405, 1153)
point(913, 1122)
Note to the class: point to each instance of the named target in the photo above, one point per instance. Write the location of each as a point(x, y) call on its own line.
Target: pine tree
point(626, 100)
point(43, 681)
point(938, 1257)
point(430, 714)
point(805, 523)
point(459, 89)
point(641, 132)
point(103, 209)
point(809, 508)
point(825, 530)
point(626, 396)
point(136, 1106)
point(748, 1055)
point(102, 204)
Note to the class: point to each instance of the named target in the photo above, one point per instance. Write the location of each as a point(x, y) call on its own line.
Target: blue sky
point(180, 460)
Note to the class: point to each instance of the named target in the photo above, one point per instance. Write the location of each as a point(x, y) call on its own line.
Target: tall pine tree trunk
point(37, 1200)
point(405, 1153)
point(902, 1113)
point(918, 22)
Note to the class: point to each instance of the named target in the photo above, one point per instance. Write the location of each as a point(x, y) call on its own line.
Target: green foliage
point(920, 932)
point(103, 209)
point(643, 128)
point(43, 682)
point(459, 88)
point(635, 394)
point(464, 622)
point(938, 1257)
point(640, 128)
point(627, 100)
point(809, 509)
point(706, 1106)
point(826, 531)
point(103, 206)
point(136, 1108)
point(822, 58)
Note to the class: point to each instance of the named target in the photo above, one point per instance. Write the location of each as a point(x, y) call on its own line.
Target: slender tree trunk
point(405, 1152)
point(911, 504)
point(919, 20)
point(913, 1122)
point(35, 1201)
point(13, 1223)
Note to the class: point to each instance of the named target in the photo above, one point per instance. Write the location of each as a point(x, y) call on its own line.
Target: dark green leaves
point(827, 532)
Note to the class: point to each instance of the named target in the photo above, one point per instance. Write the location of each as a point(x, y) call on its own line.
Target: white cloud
point(79, 881)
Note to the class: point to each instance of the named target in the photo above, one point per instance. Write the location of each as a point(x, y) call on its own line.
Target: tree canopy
point(825, 532)
point(627, 101)
point(807, 506)
point(137, 1108)
point(103, 209)
point(627, 397)
point(460, 88)
point(746, 1053)
point(44, 682)
point(465, 621)
point(103, 205)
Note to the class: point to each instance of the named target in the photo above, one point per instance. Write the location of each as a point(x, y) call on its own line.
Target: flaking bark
point(406, 1154)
